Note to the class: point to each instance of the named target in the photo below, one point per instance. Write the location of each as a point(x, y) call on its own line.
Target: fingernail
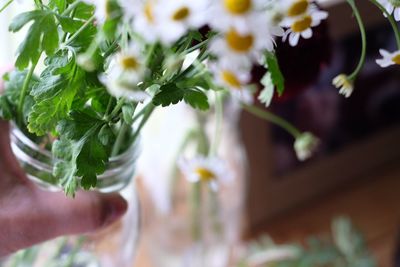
point(114, 207)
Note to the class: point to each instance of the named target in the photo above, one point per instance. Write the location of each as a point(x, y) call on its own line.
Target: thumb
point(45, 215)
point(87, 212)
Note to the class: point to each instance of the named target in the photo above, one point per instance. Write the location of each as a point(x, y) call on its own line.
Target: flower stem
point(120, 138)
point(149, 110)
point(117, 108)
point(268, 116)
point(70, 8)
point(196, 211)
point(219, 115)
point(6, 5)
point(81, 29)
point(360, 65)
point(391, 20)
point(24, 92)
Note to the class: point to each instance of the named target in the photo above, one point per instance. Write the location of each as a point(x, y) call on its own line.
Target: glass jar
point(192, 225)
point(114, 246)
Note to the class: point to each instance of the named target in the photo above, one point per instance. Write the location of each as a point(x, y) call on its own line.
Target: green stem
point(148, 111)
point(198, 46)
point(196, 211)
point(108, 109)
point(150, 54)
point(78, 32)
point(70, 8)
point(120, 138)
point(360, 65)
point(268, 116)
point(219, 116)
point(117, 108)
point(391, 20)
point(24, 93)
point(6, 5)
point(111, 49)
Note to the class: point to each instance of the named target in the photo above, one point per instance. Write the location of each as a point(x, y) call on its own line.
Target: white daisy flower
point(392, 6)
point(235, 78)
point(126, 70)
point(103, 9)
point(142, 14)
point(388, 58)
point(345, 85)
point(225, 14)
point(178, 16)
point(213, 171)
point(246, 47)
point(305, 145)
point(301, 26)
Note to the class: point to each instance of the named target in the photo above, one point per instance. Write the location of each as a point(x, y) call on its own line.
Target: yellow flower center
point(299, 7)
point(231, 79)
point(302, 24)
point(205, 174)
point(238, 7)
point(396, 59)
point(148, 11)
point(129, 63)
point(239, 43)
point(181, 14)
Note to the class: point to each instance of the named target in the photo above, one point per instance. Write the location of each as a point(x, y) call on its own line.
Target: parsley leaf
point(41, 36)
point(91, 162)
point(196, 98)
point(67, 152)
point(171, 93)
point(54, 94)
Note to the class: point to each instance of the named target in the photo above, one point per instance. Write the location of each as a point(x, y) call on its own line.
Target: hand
point(29, 215)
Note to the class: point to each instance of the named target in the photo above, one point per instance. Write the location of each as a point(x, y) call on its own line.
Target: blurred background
point(356, 171)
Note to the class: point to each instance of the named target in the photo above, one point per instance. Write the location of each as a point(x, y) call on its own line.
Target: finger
point(10, 169)
point(46, 215)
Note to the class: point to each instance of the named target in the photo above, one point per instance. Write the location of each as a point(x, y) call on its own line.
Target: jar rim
point(31, 144)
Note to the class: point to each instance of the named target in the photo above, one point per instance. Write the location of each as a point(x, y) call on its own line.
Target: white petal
point(397, 14)
point(384, 62)
point(307, 34)
point(294, 39)
point(384, 53)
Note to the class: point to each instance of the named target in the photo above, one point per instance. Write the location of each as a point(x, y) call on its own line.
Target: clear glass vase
point(114, 246)
point(195, 226)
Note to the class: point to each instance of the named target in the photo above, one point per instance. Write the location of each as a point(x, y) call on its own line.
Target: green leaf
point(78, 124)
point(83, 156)
point(276, 74)
point(54, 94)
point(91, 162)
point(197, 99)
point(41, 36)
point(127, 113)
point(5, 109)
point(169, 94)
point(106, 135)
point(69, 24)
point(59, 5)
point(67, 152)
point(172, 94)
point(267, 93)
